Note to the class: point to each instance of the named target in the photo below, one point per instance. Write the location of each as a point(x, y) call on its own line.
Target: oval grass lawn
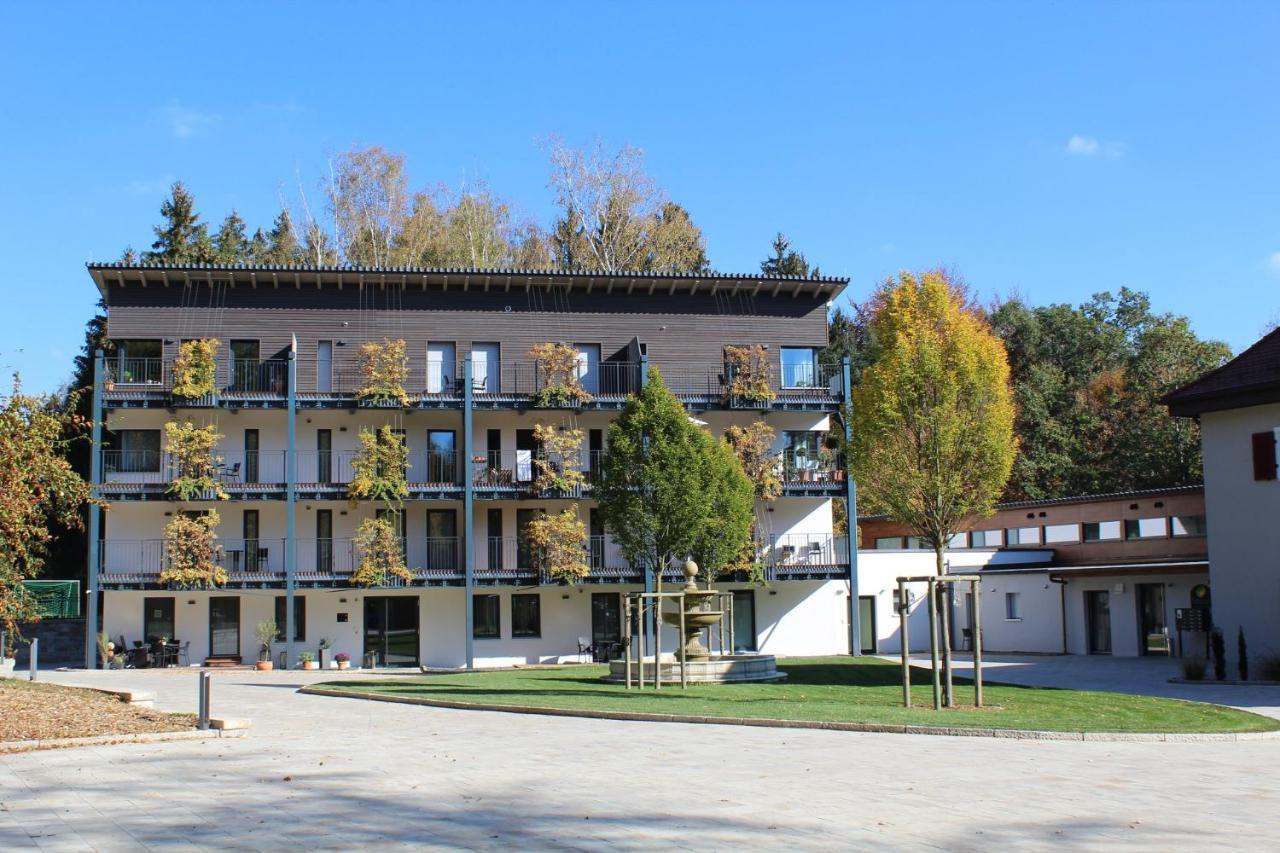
point(834, 689)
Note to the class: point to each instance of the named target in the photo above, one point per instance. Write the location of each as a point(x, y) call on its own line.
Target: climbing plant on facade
point(195, 370)
point(384, 371)
point(753, 445)
point(748, 375)
point(379, 468)
point(192, 555)
point(559, 543)
point(380, 551)
point(194, 465)
point(559, 465)
point(558, 368)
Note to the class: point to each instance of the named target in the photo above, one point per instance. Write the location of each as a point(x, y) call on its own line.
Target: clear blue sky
point(1052, 150)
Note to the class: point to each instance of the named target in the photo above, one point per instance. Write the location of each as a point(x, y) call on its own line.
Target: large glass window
point(799, 367)
point(526, 615)
point(299, 617)
point(1061, 533)
point(987, 538)
point(138, 450)
point(485, 620)
point(441, 466)
point(138, 360)
point(1023, 535)
point(800, 450)
point(157, 618)
point(1188, 525)
point(1099, 531)
point(1144, 528)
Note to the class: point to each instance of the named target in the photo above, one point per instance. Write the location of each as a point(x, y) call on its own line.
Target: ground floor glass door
point(1150, 614)
point(224, 626)
point(867, 623)
point(744, 620)
point(391, 629)
point(1097, 605)
point(606, 623)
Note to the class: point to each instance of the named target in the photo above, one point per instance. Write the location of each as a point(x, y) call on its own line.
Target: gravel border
point(877, 728)
point(15, 746)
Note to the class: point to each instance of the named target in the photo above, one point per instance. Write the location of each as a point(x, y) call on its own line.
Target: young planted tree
point(669, 489)
point(559, 465)
point(38, 487)
point(192, 555)
point(195, 464)
point(933, 440)
point(378, 471)
point(559, 543)
point(195, 369)
point(384, 369)
point(380, 551)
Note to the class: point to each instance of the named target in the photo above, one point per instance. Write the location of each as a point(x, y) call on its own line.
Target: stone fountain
point(701, 666)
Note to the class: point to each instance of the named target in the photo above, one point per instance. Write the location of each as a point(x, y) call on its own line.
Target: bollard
point(35, 658)
point(202, 700)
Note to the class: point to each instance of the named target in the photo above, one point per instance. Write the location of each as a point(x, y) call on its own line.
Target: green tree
point(665, 480)
point(38, 488)
point(181, 238)
point(785, 261)
point(282, 247)
point(933, 440)
point(676, 244)
point(230, 245)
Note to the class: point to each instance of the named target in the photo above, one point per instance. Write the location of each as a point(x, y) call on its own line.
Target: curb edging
point(872, 728)
point(16, 746)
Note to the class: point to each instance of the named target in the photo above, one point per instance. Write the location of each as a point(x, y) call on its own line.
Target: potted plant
point(342, 659)
point(325, 644)
point(307, 660)
point(266, 632)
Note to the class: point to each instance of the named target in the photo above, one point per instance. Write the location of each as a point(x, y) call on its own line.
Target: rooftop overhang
point(1165, 567)
point(825, 288)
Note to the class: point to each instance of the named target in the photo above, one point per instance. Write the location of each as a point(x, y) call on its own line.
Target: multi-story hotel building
point(287, 407)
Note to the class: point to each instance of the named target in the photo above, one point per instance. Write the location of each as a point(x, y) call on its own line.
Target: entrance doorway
point(744, 620)
point(867, 623)
point(391, 629)
point(1151, 618)
point(224, 627)
point(1097, 610)
point(606, 623)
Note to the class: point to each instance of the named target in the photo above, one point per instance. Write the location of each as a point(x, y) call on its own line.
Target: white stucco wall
point(1244, 536)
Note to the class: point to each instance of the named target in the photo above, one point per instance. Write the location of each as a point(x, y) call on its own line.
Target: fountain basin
point(715, 669)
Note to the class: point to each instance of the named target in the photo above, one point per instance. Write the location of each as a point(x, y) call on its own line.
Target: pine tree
point(786, 261)
point(282, 242)
point(258, 247)
point(178, 240)
point(230, 246)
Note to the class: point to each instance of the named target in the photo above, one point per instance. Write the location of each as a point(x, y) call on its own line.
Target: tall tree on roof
point(230, 245)
point(615, 218)
point(933, 439)
point(787, 261)
point(182, 238)
point(368, 194)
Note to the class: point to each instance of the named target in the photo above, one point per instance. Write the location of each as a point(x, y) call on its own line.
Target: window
point(958, 540)
point(1012, 606)
point(799, 367)
point(1064, 533)
point(1188, 525)
point(889, 542)
point(1098, 531)
point(299, 618)
point(1023, 535)
point(915, 543)
point(986, 539)
point(139, 451)
point(138, 360)
point(1144, 528)
point(526, 615)
point(441, 465)
point(245, 369)
point(484, 615)
point(1264, 455)
point(800, 450)
point(157, 618)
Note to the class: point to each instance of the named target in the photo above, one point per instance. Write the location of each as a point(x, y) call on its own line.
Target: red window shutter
point(1264, 455)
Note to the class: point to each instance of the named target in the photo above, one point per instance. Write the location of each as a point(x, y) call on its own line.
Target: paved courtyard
point(319, 772)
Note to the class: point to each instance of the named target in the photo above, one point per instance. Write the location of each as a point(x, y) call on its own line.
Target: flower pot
point(343, 664)
point(310, 664)
point(264, 666)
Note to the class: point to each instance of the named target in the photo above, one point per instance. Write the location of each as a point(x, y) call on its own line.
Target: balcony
point(430, 474)
point(263, 383)
point(805, 556)
point(808, 474)
point(146, 474)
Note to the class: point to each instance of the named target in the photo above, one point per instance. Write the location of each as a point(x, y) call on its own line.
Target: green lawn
point(830, 689)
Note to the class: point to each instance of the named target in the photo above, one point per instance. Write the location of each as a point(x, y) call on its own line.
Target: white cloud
point(1273, 262)
point(1090, 146)
point(185, 122)
point(1085, 146)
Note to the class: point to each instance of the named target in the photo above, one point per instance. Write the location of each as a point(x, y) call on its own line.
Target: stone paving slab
point(319, 773)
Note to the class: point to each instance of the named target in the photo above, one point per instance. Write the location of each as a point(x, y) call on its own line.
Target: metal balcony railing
point(515, 468)
point(255, 376)
point(146, 559)
point(136, 371)
point(812, 550)
point(794, 466)
point(228, 467)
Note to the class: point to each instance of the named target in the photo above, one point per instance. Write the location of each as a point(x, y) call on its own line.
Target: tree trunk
point(944, 616)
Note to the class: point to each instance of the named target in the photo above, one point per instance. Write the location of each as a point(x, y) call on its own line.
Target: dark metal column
point(851, 504)
point(95, 516)
point(290, 476)
point(468, 510)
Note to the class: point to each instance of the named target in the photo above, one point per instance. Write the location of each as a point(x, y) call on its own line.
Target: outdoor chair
point(231, 474)
point(966, 639)
point(585, 648)
point(184, 653)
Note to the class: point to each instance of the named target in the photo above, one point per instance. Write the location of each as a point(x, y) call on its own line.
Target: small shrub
point(1242, 655)
point(1193, 669)
point(266, 632)
point(1219, 654)
point(195, 370)
point(306, 657)
point(560, 545)
point(342, 657)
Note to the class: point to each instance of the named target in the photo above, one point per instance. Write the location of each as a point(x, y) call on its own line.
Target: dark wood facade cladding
point(679, 329)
